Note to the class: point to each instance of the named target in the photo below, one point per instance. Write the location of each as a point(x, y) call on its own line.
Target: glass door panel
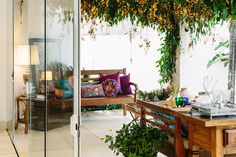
point(28, 24)
point(61, 81)
point(37, 111)
point(59, 77)
point(46, 87)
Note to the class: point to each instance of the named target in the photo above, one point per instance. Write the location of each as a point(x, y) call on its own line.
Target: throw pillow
point(92, 90)
point(125, 84)
point(110, 87)
point(65, 88)
point(114, 76)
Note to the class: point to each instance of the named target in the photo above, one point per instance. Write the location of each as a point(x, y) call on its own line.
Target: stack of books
point(40, 96)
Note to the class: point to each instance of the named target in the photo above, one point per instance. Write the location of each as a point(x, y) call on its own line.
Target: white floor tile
point(8, 155)
point(6, 146)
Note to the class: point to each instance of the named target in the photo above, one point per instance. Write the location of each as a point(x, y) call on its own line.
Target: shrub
point(135, 140)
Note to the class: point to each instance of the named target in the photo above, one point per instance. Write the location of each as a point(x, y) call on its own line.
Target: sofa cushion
point(114, 76)
point(110, 87)
point(125, 84)
point(65, 87)
point(92, 90)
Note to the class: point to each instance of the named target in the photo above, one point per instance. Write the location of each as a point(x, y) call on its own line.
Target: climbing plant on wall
point(166, 16)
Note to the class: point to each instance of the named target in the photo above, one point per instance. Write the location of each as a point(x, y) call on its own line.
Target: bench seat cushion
point(119, 99)
point(92, 90)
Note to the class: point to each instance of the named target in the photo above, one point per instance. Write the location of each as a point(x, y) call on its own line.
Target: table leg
point(124, 109)
point(191, 147)
point(17, 114)
point(26, 118)
point(178, 143)
point(217, 149)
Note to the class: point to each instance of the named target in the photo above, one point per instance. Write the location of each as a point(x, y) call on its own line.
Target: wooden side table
point(20, 100)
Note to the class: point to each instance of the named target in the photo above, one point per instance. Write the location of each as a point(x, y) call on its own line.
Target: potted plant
point(154, 95)
point(136, 140)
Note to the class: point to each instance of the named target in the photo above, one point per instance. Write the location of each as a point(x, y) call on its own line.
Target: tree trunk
point(232, 60)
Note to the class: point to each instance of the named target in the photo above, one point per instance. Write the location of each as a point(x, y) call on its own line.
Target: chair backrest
point(164, 119)
point(93, 75)
point(155, 115)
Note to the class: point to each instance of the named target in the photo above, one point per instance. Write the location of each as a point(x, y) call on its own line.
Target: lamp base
point(25, 78)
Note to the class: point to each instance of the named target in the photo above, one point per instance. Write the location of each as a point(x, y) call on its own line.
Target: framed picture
point(49, 51)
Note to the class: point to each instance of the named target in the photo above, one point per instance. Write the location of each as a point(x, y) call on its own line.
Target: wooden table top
point(205, 120)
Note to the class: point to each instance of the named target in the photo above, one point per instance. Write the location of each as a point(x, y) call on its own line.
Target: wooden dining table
point(217, 135)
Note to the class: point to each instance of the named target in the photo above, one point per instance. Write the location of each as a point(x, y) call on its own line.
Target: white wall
point(115, 51)
point(4, 64)
point(193, 62)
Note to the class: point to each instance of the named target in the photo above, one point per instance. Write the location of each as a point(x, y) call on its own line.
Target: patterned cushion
point(115, 76)
point(110, 87)
point(92, 90)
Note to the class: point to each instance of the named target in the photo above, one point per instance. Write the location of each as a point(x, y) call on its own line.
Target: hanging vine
point(166, 16)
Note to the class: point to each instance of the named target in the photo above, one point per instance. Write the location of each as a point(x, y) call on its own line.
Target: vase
point(171, 101)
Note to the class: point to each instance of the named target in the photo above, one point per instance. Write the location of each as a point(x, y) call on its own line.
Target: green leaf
point(222, 45)
point(226, 63)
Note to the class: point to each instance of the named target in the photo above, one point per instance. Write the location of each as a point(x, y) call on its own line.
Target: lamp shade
point(34, 55)
point(47, 74)
point(27, 55)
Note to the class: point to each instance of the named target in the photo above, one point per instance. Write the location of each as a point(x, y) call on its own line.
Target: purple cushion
point(125, 86)
point(110, 87)
point(114, 76)
point(92, 90)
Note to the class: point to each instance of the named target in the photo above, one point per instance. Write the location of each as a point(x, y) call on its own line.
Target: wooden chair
point(165, 119)
point(154, 115)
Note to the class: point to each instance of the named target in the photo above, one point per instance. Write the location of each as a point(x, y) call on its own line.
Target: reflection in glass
point(44, 44)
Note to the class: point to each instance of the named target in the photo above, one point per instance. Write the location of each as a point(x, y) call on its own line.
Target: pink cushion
point(125, 84)
point(114, 76)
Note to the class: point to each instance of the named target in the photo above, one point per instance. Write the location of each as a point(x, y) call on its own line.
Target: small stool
point(20, 100)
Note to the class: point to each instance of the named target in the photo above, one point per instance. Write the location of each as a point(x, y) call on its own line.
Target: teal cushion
point(66, 87)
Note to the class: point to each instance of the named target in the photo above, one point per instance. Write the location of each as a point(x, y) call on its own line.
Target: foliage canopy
point(166, 16)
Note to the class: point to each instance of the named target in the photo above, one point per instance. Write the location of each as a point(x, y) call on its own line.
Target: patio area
point(172, 63)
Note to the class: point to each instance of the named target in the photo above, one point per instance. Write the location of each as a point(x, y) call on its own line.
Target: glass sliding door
point(28, 27)
point(46, 86)
point(61, 71)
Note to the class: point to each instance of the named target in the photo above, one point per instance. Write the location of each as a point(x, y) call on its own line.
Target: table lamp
point(27, 55)
point(45, 76)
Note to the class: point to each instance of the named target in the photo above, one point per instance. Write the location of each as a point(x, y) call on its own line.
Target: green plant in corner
point(135, 140)
point(221, 55)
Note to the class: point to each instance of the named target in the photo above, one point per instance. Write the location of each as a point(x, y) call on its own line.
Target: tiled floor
point(59, 141)
point(6, 147)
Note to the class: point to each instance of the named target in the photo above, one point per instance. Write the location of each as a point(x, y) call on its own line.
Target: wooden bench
point(93, 76)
